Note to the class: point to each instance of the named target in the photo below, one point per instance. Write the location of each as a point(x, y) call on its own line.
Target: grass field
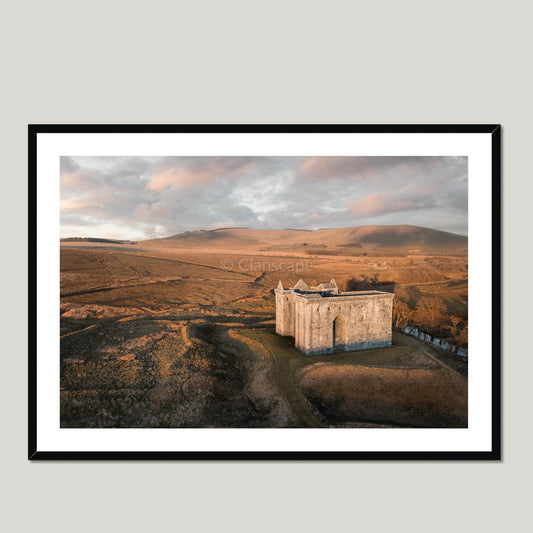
point(163, 336)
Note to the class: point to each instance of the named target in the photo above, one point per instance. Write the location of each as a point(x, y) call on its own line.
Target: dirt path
point(282, 375)
point(78, 331)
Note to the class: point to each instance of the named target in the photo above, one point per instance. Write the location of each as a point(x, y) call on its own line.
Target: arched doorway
point(339, 332)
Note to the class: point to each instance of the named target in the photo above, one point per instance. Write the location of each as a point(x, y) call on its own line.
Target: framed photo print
point(264, 292)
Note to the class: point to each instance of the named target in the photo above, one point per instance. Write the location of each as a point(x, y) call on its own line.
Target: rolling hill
point(394, 238)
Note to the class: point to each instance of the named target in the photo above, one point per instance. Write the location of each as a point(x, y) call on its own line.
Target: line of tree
point(431, 315)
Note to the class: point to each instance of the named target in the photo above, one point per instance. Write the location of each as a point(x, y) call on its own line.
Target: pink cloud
point(197, 175)
point(371, 167)
point(325, 167)
point(381, 203)
point(178, 179)
point(374, 204)
point(72, 179)
point(72, 204)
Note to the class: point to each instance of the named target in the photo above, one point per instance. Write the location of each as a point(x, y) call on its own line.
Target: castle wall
point(302, 329)
point(368, 321)
point(284, 313)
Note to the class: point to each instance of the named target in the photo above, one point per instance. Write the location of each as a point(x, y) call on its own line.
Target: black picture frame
point(494, 454)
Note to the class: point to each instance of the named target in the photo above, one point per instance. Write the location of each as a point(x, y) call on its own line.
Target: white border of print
point(477, 147)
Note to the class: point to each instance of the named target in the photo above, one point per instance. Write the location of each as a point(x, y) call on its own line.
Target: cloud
point(71, 204)
point(386, 202)
point(363, 168)
point(160, 196)
point(174, 179)
point(184, 173)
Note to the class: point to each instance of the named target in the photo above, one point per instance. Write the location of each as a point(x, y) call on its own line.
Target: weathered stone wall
point(363, 319)
point(367, 316)
point(302, 338)
point(284, 312)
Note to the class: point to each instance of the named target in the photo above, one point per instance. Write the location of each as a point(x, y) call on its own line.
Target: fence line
point(445, 345)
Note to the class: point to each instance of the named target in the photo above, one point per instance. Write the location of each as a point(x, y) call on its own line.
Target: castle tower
point(284, 311)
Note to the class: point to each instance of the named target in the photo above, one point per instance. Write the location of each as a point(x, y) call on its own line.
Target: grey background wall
point(266, 62)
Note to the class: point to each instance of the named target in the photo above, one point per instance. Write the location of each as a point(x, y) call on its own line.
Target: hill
point(95, 239)
point(400, 238)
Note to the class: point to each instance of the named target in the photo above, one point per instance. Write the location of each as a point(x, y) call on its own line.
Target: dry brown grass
point(346, 394)
point(145, 340)
point(156, 373)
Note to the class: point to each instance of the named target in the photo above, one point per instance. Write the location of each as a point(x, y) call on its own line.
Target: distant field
point(454, 295)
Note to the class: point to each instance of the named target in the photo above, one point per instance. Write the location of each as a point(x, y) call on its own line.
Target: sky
point(148, 197)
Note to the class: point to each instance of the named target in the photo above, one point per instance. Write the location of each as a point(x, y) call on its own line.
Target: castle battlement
point(322, 318)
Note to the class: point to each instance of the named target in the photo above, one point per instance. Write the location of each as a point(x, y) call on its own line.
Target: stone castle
point(323, 319)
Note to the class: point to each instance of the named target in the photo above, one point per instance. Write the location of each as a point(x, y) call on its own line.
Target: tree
point(455, 321)
point(431, 313)
point(402, 314)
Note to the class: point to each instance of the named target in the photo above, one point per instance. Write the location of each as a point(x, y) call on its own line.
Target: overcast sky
point(147, 197)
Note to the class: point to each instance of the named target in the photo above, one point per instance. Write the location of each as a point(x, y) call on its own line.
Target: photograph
point(264, 292)
point(326, 292)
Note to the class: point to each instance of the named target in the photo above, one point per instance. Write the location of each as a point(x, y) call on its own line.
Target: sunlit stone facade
point(323, 319)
